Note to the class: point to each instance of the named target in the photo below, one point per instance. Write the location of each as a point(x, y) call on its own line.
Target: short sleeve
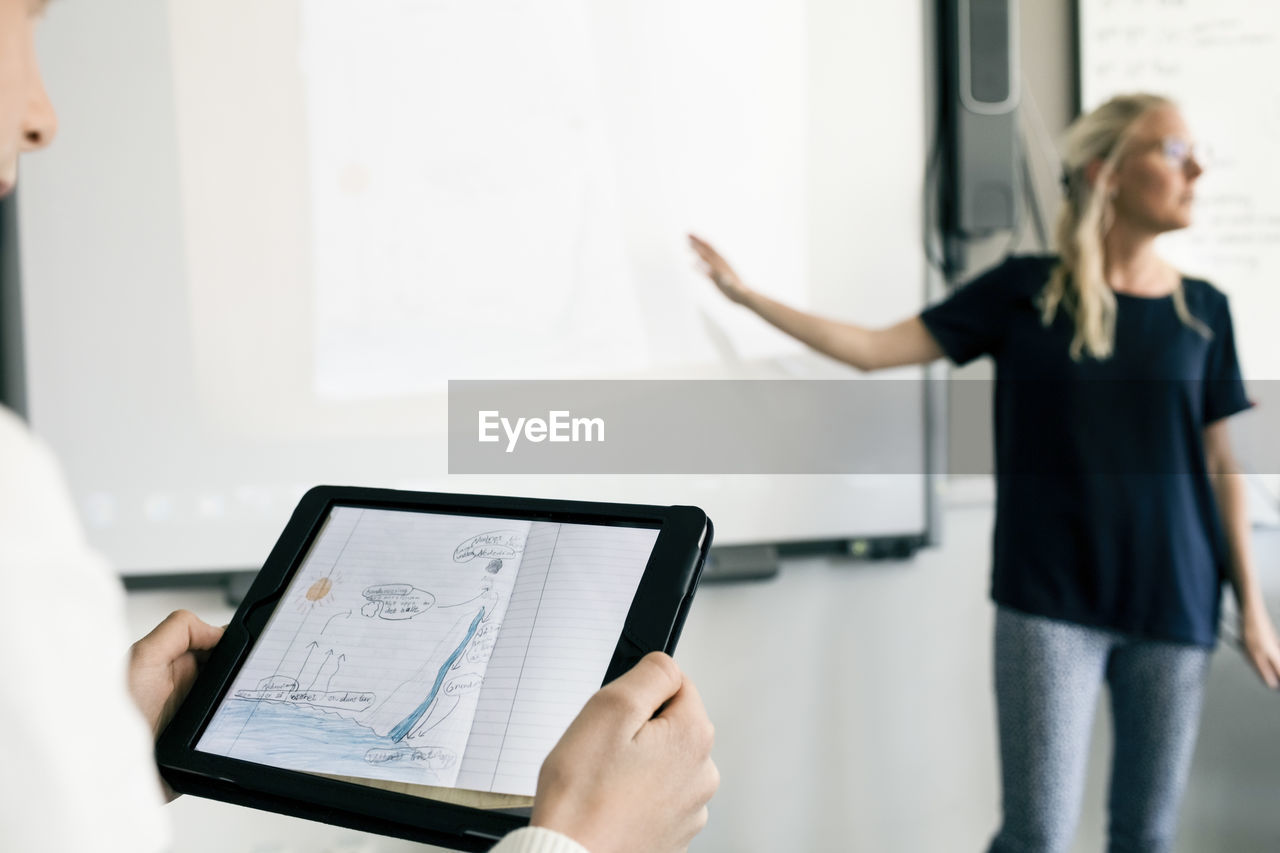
point(973, 320)
point(1224, 392)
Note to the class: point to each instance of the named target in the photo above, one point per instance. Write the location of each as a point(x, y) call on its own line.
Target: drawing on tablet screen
point(380, 664)
point(396, 601)
point(407, 648)
point(495, 545)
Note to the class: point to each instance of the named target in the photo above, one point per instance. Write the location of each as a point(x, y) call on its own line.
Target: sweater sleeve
point(78, 772)
point(536, 839)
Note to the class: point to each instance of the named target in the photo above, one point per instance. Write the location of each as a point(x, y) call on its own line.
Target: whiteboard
point(270, 230)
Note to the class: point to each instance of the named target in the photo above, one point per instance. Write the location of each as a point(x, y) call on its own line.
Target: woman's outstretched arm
point(907, 342)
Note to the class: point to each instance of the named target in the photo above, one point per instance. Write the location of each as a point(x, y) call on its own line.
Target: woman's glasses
point(1178, 152)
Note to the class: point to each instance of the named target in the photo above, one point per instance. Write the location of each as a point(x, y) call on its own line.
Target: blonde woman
point(1119, 507)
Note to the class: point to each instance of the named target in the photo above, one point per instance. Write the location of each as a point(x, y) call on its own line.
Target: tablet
point(405, 660)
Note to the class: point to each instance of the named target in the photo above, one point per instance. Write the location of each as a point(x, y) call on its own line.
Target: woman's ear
point(1093, 173)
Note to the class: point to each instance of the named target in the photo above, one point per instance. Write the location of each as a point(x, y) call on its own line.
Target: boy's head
point(27, 120)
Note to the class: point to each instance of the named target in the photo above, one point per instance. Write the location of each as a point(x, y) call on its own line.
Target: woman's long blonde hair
point(1078, 283)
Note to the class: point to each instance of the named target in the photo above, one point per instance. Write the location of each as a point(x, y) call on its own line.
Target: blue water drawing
point(301, 738)
point(406, 725)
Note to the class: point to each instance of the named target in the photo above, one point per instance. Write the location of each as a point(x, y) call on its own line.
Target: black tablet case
point(654, 622)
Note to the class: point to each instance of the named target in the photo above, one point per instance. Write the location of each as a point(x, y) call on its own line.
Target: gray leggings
point(1047, 678)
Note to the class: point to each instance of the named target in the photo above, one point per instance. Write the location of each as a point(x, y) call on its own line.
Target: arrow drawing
point(337, 667)
point(323, 664)
point(346, 615)
point(312, 646)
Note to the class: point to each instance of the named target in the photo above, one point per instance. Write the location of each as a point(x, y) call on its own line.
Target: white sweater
point(76, 771)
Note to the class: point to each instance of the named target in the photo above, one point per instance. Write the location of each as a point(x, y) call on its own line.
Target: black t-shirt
point(1105, 514)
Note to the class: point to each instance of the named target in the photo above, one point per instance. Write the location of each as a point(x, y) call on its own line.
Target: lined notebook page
point(506, 664)
point(562, 626)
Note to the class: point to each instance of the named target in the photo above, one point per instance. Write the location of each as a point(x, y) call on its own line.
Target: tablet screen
point(425, 649)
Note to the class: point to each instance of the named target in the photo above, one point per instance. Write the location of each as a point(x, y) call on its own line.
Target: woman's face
point(1154, 182)
point(27, 120)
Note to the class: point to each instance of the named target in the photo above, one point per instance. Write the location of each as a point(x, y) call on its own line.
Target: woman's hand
point(163, 665)
point(718, 270)
point(634, 770)
point(1259, 643)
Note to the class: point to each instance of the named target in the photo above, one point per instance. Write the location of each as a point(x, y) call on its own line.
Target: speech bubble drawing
point(468, 683)
point(396, 601)
point(335, 700)
point(496, 544)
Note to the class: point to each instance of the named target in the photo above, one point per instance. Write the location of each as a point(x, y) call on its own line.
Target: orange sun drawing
point(319, 589)
point(319, 594)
